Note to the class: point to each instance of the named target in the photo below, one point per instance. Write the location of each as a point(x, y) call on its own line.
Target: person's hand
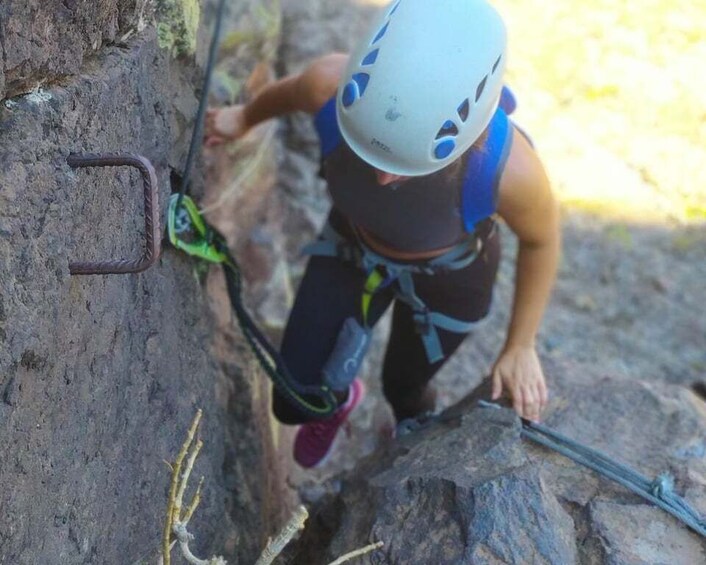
point(518, 373)
point(224, 124)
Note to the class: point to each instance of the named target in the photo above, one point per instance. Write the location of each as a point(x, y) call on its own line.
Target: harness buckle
point(348, 252)
point(422, 321)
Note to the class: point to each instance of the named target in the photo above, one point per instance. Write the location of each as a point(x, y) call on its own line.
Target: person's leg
point(329, 293)
point(466, 295)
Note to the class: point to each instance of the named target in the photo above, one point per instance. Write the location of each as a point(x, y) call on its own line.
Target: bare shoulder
point(526, 201)
point(319, 80)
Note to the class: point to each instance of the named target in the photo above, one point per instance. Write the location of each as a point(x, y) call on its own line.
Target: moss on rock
point(177, 25)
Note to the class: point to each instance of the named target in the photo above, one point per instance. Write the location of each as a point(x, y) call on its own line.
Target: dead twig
point(173, 486)
point(176, 522)
point(275, 547)
point(358, 553)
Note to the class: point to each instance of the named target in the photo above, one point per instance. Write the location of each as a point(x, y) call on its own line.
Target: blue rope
point(659, 491)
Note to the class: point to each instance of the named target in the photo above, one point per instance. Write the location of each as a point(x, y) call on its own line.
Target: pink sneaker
point(314, 441)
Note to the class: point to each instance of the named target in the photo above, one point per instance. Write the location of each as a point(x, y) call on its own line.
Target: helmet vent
point(370, 58)
point(481, 88)
point(448, 129)
point(355, 89)
point(380, 34)
point(444, 148)
point(445, 138)
point(361, 79)
point(464, 109)
point(495, 66)
point(395, 8)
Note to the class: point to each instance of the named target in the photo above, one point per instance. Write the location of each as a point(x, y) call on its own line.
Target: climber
point(420, 161)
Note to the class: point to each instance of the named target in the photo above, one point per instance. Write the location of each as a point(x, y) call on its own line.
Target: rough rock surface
point(471, 490)
point(101, 375)
point(44, 40)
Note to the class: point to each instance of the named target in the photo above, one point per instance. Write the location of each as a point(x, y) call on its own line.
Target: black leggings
point(331, 291)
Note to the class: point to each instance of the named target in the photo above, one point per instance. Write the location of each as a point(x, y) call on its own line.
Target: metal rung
point(153, 229)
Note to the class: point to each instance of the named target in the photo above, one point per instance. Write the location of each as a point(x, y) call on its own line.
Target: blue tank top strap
point(326, 124)
point(480, 186)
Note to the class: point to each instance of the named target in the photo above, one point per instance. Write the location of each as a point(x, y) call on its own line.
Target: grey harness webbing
point(332, 244)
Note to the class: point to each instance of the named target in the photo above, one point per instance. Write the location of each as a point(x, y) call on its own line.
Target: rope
point(269, 358)
point(197, 135)
point(659, 491)
point(266, 355)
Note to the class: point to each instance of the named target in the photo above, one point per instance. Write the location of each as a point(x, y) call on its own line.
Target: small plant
point(175, 531)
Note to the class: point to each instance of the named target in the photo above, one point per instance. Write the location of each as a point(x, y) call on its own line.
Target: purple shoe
point(314, 441)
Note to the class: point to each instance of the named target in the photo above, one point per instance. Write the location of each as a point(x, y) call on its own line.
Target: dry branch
point(275, 547)
point(358, 553)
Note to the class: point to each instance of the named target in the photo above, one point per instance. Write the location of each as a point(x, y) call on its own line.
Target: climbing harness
point(383, 272)
point(478, 204)
point(188, 231)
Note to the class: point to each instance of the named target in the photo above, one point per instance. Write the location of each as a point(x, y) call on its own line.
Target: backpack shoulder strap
point(479, 195)
point(508, 102)
point(326, 125)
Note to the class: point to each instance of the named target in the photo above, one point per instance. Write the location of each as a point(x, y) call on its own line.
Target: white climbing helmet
point(423, 84)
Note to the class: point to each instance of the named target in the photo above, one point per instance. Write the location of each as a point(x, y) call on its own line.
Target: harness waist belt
point(333, 244)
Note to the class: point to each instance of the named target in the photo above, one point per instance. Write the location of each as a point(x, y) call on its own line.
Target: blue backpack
point(480, 186)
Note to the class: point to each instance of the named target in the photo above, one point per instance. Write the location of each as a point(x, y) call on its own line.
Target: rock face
point(471, 490)
point(101, 375)
point(45, 40)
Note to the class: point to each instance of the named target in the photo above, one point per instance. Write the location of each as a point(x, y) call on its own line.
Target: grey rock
point(469, 489)
point(101, 375)
point(651, 540)
point(45, 40)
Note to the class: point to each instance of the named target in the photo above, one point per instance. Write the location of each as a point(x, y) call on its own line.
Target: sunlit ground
point(614, 94)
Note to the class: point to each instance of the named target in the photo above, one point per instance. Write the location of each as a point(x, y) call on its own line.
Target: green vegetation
point(177, 25)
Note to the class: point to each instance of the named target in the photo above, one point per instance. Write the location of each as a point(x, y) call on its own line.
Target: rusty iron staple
point(152, 218)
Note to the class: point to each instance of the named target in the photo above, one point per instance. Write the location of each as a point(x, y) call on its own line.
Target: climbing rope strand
point(659, 492)
point(668, 501)
point(630, 479)
point(212, 247)
point(197, 135)
point(269, 358)
point(592, 454)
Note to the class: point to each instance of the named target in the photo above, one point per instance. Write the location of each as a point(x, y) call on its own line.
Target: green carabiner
point(203, 241)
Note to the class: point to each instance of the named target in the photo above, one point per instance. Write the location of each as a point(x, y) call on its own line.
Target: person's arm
point(527, 205)
point(307, 91)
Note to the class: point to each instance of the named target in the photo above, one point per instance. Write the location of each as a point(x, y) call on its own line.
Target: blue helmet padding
point(479, 195)
point(326, 124)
